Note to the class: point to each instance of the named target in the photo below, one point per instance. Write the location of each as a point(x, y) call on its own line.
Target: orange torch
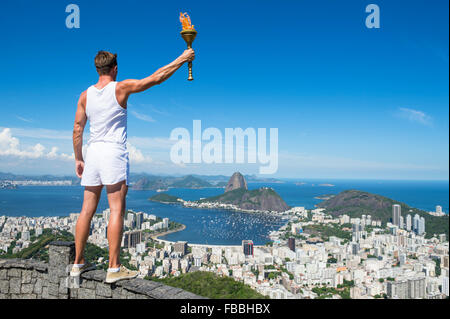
point(188, 34)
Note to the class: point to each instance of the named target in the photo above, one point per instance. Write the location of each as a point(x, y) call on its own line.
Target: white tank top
point(108, 120)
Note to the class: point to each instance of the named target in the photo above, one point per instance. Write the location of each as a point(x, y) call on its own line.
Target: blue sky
point(348, 101)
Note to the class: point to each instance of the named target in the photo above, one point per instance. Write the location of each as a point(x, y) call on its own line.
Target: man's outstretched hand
point(79, 168)
point(188, 55)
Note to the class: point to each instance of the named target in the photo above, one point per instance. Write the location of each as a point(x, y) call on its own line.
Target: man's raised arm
point(127, 87)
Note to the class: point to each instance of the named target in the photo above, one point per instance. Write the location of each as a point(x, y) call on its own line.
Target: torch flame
point(186, 21)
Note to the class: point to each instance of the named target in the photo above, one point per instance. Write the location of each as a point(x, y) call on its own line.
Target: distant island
point(165, 199)
point(236, 197)
point(357, 203)
point(164, 183)
point(322, 185)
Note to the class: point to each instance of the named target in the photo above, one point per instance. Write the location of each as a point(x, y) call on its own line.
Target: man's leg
point(91, 197)
point(116, 198)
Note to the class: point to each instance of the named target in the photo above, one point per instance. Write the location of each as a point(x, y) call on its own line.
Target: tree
point(437, 268)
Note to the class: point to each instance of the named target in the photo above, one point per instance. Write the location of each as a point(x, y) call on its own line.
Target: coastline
point(183, 227)
point(155, 237)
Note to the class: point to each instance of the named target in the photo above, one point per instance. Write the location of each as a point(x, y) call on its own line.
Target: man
point(106, 162)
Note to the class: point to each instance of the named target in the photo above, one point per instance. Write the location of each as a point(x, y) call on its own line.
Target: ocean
point(220, 226)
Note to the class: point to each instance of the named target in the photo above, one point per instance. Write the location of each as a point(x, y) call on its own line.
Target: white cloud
point(136, 155)
point(415, 116)
point(10, 146)
point(142, 117)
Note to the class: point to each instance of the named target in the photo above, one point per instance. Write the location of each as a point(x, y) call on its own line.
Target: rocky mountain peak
point(236, 181)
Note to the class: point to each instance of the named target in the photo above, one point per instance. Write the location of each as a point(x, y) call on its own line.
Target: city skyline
point(369, 260)
point(349, 102)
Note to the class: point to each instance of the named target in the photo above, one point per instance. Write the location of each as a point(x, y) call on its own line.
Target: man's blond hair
point(105, 61)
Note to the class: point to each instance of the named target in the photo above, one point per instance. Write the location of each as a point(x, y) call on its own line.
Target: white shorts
point(105, 164)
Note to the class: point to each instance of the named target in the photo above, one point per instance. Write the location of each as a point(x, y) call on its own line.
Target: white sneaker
point(77, 271)
point(122, 274)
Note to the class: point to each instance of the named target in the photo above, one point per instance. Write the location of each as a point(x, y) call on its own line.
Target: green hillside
point(39, 248)
point(357, 203)
point(190, 182)
point(210, 285)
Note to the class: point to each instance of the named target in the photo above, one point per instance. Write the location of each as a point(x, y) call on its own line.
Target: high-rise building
point(181, 247)
point(25, 235)
point(396, 213)
point(165, 222)
point(291, 243)
point(402, 259)
point(247, 247)
point(438, 210)
point(140, 248)
point(401, 223)
point(397, 289)
point(131, 220)
point(416, 288)
point(106, 214)
point(416, 221)
point(139, 220)
point(355, 248)
point(444, 261)
point(412, 288)
point(445, 286)
point(408, 222)
point(132, 238)
point(421, 228)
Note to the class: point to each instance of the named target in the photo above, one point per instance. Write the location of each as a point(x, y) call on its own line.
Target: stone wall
point(30, 279)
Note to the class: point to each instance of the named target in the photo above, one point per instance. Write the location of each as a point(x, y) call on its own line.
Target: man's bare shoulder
point(83, 95)
point(125, 84)
point(83, 98)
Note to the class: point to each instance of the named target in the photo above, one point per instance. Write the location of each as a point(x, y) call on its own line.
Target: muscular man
point(106, 162)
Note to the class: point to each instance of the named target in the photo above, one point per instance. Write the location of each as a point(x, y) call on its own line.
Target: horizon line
point(256, 175)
